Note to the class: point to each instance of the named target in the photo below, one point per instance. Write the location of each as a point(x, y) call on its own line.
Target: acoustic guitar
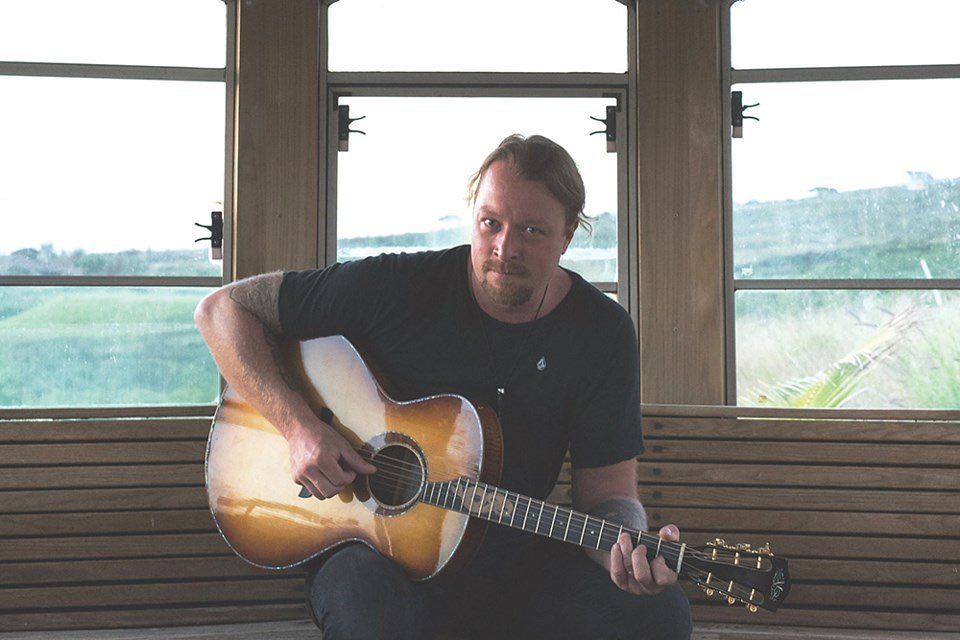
point(438, 463)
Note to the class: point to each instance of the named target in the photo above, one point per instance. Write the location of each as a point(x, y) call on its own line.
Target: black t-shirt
point(571, 377)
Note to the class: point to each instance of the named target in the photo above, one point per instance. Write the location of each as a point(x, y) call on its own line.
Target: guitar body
point(265, 517)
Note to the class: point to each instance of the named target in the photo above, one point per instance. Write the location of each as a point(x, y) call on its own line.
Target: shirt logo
point(542, 364)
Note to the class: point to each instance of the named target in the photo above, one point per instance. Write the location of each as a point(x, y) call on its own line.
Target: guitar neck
point(518, 511)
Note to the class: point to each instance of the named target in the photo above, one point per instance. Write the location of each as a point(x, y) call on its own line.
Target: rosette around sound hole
point(399, 478)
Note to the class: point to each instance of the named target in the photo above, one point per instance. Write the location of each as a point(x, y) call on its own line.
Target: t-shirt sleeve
point(344, 298)
point(606, 423)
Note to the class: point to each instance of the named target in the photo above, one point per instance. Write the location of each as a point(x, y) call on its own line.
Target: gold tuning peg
point(709, 591)
point(752, 608)
point(731, 600)
point(718, 542)
point(743, 546)
point(765, 549)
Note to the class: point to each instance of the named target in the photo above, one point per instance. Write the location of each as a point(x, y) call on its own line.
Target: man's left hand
point(630, 570)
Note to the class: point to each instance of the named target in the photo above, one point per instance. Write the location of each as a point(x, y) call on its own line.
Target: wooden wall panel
point(680, 196)
point(867, 512)
point(277, 154)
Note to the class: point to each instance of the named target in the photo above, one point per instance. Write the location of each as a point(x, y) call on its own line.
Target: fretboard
point(515, 510)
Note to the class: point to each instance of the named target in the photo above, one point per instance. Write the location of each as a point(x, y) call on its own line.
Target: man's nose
point(507, 244)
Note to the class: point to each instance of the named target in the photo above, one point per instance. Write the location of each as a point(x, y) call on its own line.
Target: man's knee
point(665, 616)
point(357, 593)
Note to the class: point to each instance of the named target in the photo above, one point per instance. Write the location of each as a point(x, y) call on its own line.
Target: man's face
point(519, 234)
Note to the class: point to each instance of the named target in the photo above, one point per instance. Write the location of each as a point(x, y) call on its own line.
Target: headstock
point(741, 574)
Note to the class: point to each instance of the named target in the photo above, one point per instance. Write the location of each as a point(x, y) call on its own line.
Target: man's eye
point(532, 230)
point(489, 223)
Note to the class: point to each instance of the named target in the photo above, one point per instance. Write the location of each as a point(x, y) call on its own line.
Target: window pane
point(174, 33)
point(835, 181)
point(827, 33)
point(98, 346)
point(499, 35)
point(848, 348)
point(398, 190)
point(109, 176)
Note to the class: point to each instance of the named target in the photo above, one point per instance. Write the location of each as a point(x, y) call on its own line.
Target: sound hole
point(398, 477)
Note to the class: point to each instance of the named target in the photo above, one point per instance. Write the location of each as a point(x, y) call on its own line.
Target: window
point(844, 205)
point(103, 175)
point(429, 120)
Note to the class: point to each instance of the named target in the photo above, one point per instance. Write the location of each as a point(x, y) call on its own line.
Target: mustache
point(505, 268)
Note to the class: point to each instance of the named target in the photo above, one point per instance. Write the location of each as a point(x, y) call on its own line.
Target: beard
point(507, 292)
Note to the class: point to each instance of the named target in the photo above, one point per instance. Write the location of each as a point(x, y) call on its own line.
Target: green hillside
point(99, 345)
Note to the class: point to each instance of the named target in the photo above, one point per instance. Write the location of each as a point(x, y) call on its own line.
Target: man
point(501, 323)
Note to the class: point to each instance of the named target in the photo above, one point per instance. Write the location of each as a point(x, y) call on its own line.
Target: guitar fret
point(526, 513)
point(552, 522)
point(473, 498)
point(600, 535)
point(539, 516)
point(586, 519)
point(482, 498)
point(516, 503)
point(503, 505)
point(493, 502)
point(455, 494)
point(567, 530)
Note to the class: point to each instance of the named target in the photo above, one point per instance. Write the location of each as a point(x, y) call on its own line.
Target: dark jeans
point(554, 591)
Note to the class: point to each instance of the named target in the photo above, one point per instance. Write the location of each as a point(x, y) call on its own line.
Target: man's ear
point(568, 238)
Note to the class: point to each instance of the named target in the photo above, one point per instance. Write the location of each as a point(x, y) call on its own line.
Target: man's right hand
point(322, 460)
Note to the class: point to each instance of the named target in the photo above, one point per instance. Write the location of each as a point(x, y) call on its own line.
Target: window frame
point(731, 285)
point(225, 74)
point(622, 86)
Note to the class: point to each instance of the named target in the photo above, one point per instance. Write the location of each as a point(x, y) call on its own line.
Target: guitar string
point(412, 481)
point(667, 548)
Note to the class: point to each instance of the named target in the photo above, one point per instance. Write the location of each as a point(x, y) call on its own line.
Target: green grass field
point(81, 346)
point(99, 347)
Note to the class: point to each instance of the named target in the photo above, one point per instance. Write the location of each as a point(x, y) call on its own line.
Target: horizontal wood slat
point(131, 569)
point(879, 572)
point(819, 522)
point(838, 499)
point(154, 617)
point(855, 596)
point(104, 430)
point(147, 546)
point(726, 451)
point(31, 524)
point(847, 618)
point(273, 589)
point(33, 455)
point(114, 475)
point(810, 476)
point(813, 430)
point(827, 547)
point(52, 500)
point(302, 629)
point(709, 412)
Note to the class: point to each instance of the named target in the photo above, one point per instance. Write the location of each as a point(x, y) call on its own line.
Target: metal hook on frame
point(343, 126)
point(216, 234)
point(610, 129)
point(736, 113)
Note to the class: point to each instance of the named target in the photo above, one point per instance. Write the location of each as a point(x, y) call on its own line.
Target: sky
point(106, 165)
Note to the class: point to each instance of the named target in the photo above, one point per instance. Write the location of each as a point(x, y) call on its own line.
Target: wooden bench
point(104, 522)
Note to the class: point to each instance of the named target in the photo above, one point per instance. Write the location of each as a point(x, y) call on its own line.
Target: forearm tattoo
point(625, 511)
point(260, 297)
